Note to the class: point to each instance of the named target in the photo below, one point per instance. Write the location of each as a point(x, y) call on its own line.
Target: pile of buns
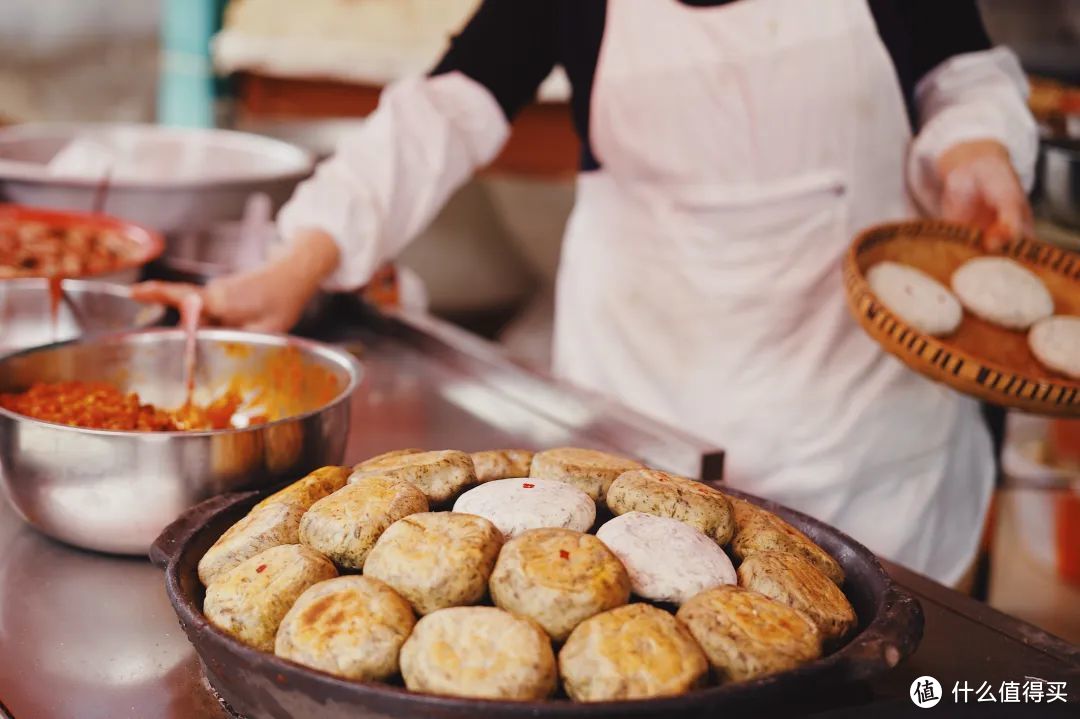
point(505, 593)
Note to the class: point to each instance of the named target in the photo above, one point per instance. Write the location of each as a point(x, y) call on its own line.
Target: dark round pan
point(259, 684)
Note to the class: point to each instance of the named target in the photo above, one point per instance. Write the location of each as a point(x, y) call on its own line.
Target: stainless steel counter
point(91, 636)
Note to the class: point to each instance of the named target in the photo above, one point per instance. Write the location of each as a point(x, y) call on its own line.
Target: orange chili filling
point(100, 405)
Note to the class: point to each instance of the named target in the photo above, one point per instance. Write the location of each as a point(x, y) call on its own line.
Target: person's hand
point(980, 187)
point(268, 299)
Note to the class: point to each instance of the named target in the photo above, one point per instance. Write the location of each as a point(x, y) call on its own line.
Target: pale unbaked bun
point(667, 495)
point(1002, 291)
point(436, 559)
point(633, 652)
point(558, 578)
point(249, 601)
point(916, 297)
point(480, 652)
point(351, 627)
point(518, 505)
point(589, 470)
point(667, 561)
point(747, 635)
point(1055, 341)
point(441, 475)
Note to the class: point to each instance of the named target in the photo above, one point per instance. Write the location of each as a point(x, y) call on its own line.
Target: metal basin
point(172, 179)
point(114, 491)
point(1061, 180)
point(90, 308)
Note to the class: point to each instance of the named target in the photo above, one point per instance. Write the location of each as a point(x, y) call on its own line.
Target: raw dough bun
point(480, 652)
point(1055, 341)
point(309, 490)
point(345, 525)
point(518, 505)
point(589, 470)
point(351, 627)
point(666, 495)
point(916, 297)
point(440, 475)
point(746, 635)
point(262, 528)
point(633, 652)
point(501, 464)
point(759, 530)
point(249, 601)
point(436, 559)
point(380, 459)
point(1002, 291)
point(559, 578)
point(795, 582)
point(667, 561)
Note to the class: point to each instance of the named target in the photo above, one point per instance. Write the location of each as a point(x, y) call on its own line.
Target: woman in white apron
point(730, 151)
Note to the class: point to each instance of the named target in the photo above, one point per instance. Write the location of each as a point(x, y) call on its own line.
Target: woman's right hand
point(270, 298)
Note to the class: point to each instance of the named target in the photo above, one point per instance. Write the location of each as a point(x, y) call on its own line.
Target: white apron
point(742, 146)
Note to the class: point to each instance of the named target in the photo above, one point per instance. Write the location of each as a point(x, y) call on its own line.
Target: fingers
point(166, 293)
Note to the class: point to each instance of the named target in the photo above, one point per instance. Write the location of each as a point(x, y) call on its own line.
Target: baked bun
point(633, 652)
point(345, 525)
point(351, 627)
point(747, 635)
point(759, 530)
point(518, 505)
point(558, 577)
point(793, 581)
point(916, 297)
point(383, 459)
point(667, 561)
point(589, 470)
point(1002, 291)
point(249, 601)
point(309, 490)
point(501, 464)
point(666, 495)
point(480, 652)
point(436, 559)
point(1055, 341)
point(441, 475)
point(263, 527)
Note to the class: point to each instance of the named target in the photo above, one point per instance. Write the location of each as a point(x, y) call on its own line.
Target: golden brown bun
point(345, 525)
point(633, 652)
point(792, 580)
point(309, 490)
point(441, 475)
point(747, 635)
point(249, 601)
point(436, 559)
point(480, 652)
point(589, 470)
point(666, 495)
point(559, 578)
point(495, 464)
point(351, 627)
point(263, 527)
point(759, 530)
point(384, 458)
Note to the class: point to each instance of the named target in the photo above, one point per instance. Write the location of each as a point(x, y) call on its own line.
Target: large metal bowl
point(172, 179)
point(88, 308)
point(114, 491)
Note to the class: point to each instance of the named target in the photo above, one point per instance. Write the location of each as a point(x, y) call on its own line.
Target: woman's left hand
point(980, 187)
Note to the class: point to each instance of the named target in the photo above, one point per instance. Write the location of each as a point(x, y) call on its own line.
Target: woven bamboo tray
point(980, 358)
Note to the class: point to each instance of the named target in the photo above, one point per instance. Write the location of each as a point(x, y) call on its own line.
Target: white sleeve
point(972, 96)
point(387, 181)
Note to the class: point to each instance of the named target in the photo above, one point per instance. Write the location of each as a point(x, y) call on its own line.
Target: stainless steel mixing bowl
point(115, 491)
point(88, 308)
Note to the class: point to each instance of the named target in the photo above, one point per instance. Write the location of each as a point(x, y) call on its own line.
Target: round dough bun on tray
point(667, 495)
point(495, 464)
point(436, 559)
point(1002, 291)
point(1055, 341)
point(480, 652)
point(919, 299)
point(439, 475)
point(590, 470)
point(518, 505)
point(667, 560)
